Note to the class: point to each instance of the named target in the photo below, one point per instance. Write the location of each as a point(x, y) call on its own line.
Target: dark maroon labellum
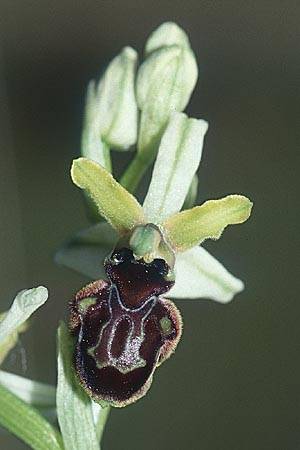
point(124, 329)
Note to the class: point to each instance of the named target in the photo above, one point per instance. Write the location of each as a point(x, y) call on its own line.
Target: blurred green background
point(233, 383)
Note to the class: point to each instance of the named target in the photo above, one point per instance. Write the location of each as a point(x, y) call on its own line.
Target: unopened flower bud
point(165, 83)
point(111, 110)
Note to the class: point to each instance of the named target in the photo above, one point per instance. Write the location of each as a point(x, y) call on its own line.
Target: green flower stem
point(26, 423)
point(100, 425)
point(135, 171)
point(191, 197)
point(107, 157)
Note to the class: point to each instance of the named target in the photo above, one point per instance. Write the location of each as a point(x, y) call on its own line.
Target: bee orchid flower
point(124, 323)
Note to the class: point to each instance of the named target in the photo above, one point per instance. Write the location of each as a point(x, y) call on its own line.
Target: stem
point(102, 419)
point(107, 158)
point(134, 172)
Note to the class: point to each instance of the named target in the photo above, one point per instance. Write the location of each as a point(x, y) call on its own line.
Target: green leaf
point(115, 204)
point(26, 423)
point(200, 275)
point(86, 251)
point(92, 145)
point(178, 159)
point(74, 410)
point(168, 33)
point(165, 82)
point(189, 228)
point(32, 392)
point(25, 303)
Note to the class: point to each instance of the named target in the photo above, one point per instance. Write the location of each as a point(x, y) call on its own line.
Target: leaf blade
point(26, 423)
point(30, 391)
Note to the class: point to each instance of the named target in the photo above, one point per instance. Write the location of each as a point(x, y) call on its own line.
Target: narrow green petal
point(74, 410)
point(189, 228)
point(25, 303)
point(86, 251)
point(26, 423)
point(32, 392)
point(200, 275)
point(178, 159)
point(115, 204)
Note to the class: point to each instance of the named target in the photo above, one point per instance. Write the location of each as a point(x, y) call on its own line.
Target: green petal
point(189, 228)
point(24, 305)
point(115, 204)
point(86, 251)
point(74, 410)
point(175, 166)
point(200, 275)
point(168, 33)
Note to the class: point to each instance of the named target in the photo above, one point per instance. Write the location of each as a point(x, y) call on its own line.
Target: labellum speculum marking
point(124, 329)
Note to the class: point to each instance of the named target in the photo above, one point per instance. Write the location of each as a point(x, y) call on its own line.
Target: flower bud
point(111, 110)
point(165, 82)
point(168, 33)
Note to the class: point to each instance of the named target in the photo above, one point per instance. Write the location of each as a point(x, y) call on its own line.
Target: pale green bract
point(74, 409)
point(25, 303)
